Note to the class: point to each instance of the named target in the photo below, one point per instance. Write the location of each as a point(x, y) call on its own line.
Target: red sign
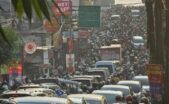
point(17, 70)
point(154, 73)
point(30, 47)
point(70, 44)
point(64, 5)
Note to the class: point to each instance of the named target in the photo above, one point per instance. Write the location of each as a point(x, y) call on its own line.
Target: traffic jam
point(112, 67)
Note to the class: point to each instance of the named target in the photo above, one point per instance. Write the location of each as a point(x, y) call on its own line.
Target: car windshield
point(125, 91)
point(84, 82)
point(6, 96)
point(46, 81)
point(138, 41)
point(26, 87)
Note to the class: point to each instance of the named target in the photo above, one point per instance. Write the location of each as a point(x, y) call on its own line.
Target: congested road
point(96, 81)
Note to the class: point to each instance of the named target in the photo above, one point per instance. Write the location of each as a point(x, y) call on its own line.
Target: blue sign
point(59, 92)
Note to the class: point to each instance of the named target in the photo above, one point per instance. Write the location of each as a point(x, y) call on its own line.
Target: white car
point(138, 41)
point(142, 79)
point(90, 98)
point(77, 101)
point(110, 95)
point(134, 85)
point(40, 100)
point(125, 89)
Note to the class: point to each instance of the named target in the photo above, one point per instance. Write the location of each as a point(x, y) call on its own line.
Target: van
point(137, 41)
point(102, 68)
point(102, 73)
point(109, 64)
point(90, 98)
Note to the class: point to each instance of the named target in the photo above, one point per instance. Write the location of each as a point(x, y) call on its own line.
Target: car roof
point(101, 70)
point(86, 96)
point(30, 86)
point(28, 91)
point(146, 87)
point(67, 81)
point(40, 99)
point(82, 79)
point(87, 76)
point(34, 89)
point(137, 37)
point(128, 82)
point(107, 92)
point(116, 86)
point(16, 92)
point(83, 76)
point(77, 100)
point(140, 77)
point(104, 62)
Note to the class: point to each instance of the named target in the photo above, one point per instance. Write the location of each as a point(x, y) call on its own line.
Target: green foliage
point(8, 54)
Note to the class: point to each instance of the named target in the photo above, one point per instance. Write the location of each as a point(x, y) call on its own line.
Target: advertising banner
point(64, 5)
point(155, 75)
point(15, 75)
point(70, 63)
point(70, 45)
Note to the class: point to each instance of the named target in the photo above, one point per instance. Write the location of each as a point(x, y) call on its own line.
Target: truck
point(112, 52)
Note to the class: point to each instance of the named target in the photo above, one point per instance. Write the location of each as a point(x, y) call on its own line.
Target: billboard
point(89, 16)
point(64, 5)
point(70, 63)
point(155, 75)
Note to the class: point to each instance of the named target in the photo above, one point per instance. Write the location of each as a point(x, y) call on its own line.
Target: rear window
point(6, 96)
point(107, 66)
point(138, 40)
point(84, 82)
point(97, 73)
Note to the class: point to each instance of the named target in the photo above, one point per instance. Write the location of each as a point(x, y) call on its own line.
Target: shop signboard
point(155, 75)
point(15, 74)
point(83, 34)
point(64, 5)
point(70, 63)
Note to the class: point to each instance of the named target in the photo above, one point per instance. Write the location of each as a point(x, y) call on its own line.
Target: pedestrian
point(129, 99)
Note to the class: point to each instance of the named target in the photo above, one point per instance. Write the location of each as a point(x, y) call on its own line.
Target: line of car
point(46, 92)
